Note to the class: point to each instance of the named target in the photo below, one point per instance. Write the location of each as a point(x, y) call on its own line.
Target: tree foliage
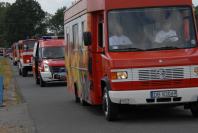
point(24, 19)
point(3, 8)
point(56, 23)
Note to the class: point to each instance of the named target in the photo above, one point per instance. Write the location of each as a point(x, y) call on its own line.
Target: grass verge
point(10, 91)
point(6, 72)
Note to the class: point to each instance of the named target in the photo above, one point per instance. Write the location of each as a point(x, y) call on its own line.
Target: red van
point(135, 52)
point(48, 61)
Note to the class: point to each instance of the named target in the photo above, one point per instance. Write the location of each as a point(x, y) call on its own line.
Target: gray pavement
point(53, 110)
point(15, 119)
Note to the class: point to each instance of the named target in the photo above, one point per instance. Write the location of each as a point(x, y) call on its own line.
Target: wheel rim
point(41, 81)
point(106, 103)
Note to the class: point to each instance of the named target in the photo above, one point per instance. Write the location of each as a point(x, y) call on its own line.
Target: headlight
point(46, 68)
point(119, 75)
point(28, 61)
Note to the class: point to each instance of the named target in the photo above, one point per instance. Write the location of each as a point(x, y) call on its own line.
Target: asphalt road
point(53, 110)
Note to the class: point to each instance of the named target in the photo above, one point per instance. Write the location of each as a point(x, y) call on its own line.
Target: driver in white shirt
point(166, 34)
point(119, 38)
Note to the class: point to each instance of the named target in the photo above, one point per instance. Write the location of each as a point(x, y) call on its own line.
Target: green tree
point(56, 23)
point(23, 20)
point(196, 10)
point(3, 8)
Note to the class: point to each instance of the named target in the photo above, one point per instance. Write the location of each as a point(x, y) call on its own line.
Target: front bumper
point(49, 77)
point(141, 97)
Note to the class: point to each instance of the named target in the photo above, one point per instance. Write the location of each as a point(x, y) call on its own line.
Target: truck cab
point(48, 61)
point(25, 56)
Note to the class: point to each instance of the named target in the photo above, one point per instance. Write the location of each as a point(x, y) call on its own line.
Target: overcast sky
point(49, 5)
point(52, 5)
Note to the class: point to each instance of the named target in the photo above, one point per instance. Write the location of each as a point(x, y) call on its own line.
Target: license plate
point(163, 94)
point(60, 76)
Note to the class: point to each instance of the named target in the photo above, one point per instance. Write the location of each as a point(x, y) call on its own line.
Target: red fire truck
point(48, 61)
point(134, 52)
point(25, 56)
point(15, 53)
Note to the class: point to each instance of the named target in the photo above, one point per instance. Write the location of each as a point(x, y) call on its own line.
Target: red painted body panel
point(145, 3)
point(96, 5)
point(147, 85)
point(177, 57)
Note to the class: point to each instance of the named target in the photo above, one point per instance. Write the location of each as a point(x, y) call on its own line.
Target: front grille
point(162, 83)
point(161, 74)
point(57, 69)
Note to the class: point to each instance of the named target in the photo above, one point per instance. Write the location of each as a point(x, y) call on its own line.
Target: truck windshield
point(53, 52)
point(29, 45)
point(151, 29)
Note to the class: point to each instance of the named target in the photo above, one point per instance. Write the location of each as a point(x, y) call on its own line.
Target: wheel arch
point(105, 82)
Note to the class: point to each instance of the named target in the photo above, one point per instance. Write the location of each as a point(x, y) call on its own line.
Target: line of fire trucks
point(44, 57)
point(114, 53)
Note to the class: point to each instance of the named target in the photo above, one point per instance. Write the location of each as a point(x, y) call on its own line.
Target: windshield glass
point(53, 52)
point(29, 45)
point(151, 29)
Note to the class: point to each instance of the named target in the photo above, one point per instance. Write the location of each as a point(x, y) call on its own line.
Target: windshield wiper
point(164, 48)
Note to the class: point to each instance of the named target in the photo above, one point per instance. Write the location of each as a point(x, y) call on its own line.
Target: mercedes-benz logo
point(161, 73)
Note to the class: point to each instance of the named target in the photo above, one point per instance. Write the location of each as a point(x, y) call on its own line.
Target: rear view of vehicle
point(48, 61)
point(25, 56)
point(8, 53)
point(15, 53)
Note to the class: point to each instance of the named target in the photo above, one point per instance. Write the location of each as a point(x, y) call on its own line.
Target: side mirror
point(87, 38)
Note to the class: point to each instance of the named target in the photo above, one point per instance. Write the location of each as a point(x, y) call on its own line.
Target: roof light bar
point(52, 37)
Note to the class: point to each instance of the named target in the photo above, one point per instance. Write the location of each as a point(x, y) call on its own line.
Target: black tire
point(24, 72)
point(37, 80)
point(77, 99)
point(42, 83)
point(83, 102)
point(15, 63)
point(20, 73)
point(110, 109)
point(194, 109)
